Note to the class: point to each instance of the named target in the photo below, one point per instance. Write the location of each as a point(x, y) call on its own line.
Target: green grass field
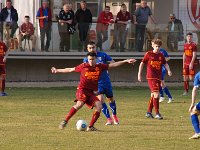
point(29, 119)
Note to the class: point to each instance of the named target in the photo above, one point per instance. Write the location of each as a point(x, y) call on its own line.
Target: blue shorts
point(163, 73)
point(106, 89)
point(198, 106)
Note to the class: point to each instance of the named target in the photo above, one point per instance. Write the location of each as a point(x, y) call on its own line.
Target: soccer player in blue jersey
point(163, 85)
point(195, 109)
point(104, 85)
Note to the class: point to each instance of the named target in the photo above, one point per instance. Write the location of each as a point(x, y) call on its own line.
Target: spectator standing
point(9, 18)
point(141, 16)
point(105, 18)
point(66, 18)
point(83, 17)
point(175, 29)
point(122, 19)
point(27, 32)
point(44, 16)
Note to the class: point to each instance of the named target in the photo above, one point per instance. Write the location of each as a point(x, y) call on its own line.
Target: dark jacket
point(82, 16)
point(178, 27)
point(4, 14)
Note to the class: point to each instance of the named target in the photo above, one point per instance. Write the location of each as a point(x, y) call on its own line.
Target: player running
point(3, 56)
point(163, 85)
point(104, 85)
point(189, 61)
point(154, 61)
point(88, 85)
point(195, 109)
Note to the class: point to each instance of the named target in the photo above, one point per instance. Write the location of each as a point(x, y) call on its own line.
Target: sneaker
point(91, 129)
point(161, 99)
point(158, 116)
point(195, 136)
point(149, 115)
point(62, 124)
point(185, 93)
point(116, 120)
point(3, 94)
point(109, 122)
point(170, 100)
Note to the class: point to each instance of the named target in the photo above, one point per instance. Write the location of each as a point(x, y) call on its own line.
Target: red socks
point(94, 118)
point(156, 105)
point(71, 113)
point(186, 86)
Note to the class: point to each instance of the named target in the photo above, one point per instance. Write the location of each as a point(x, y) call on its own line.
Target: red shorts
point(2, 69)
point(86, 96)
point(154, 85)
point(187, 71)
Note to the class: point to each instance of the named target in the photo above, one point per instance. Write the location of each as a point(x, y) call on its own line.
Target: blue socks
point(195, 123)
point(113, 107)
point(105, 110)
point(161, 92)
point(167, 92)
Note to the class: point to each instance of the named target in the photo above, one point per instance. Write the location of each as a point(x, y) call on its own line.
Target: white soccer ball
point(81, 125)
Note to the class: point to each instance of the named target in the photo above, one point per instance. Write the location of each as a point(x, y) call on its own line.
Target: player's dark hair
point(189, 33)
point(107, 7)
point(157, 42)
point(93, 54)
point(27, 17)
point(123, 5)
point(91, 43)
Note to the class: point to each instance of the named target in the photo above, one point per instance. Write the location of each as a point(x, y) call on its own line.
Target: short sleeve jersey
point(66, 15)
point(3, 50)
point(142, 15)
point(90, 75)
point(154, 62)
point(165, 54)
point(123, 17)
point(197, 80)
point(189, 48)
point(104, 59)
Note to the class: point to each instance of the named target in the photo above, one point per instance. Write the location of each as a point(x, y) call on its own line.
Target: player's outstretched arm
point(168, 69)
point(119, 63)
point(65, 70)
point(194, 94)
point(140, 71)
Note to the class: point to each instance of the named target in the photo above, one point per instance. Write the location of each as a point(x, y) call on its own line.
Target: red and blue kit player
point(154, 61)
point(3, 56)
point(189, 61)
point(195, 109)
point(88, 85)
point(163, 85)
point(104, 85)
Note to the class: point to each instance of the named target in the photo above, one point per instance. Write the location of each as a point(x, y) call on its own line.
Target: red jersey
point(123, 17)
point(189, 48)
point(27, 28)
point(3, 50)
point(103, 21)
point(90, 75)
point(154, 63)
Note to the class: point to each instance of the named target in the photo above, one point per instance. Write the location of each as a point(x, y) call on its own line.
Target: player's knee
point(78, 105)
point(110, 100)
point(98, 106)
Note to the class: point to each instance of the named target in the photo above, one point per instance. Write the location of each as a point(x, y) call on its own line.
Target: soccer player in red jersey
point(189, 61)
point(154, 61)
point(3, 55)
point(88, 86)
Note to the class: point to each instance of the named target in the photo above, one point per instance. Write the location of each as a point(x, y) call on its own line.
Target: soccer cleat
point(3, 94)
point(170, 100)
point(161, 99)
point(91, 129)
point(62, 124)
point(158, 116)
point(149, 115)
point(116, 120)
point(109, 122)
point(195, 136)
point(185, 93)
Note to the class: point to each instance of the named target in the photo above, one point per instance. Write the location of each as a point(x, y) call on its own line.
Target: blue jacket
point(4, 14)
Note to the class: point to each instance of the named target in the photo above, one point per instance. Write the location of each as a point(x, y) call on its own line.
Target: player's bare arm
point(119, 63)
point(65, 70)
point(168, 69)
point(183, 59)
point(140, 71)
point(193, 60)
point(194, 94)
point(5, 57)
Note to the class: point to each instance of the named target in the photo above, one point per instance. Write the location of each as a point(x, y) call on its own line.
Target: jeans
point(46, 30)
